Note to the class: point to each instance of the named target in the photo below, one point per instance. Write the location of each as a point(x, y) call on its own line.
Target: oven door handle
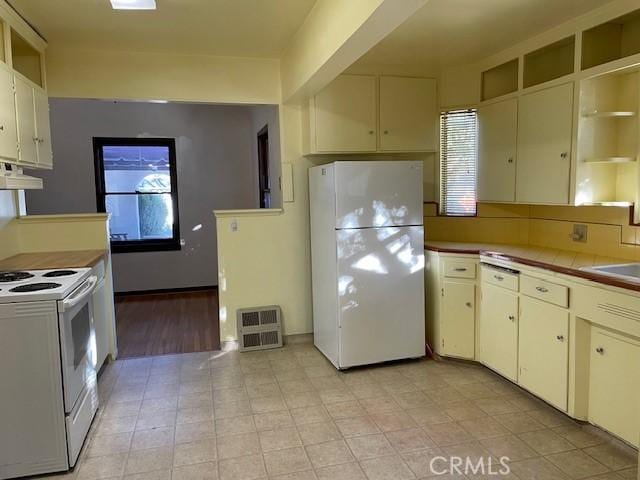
point(80, 293)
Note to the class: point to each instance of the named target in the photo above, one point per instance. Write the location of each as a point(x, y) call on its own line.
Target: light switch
point(234, 225)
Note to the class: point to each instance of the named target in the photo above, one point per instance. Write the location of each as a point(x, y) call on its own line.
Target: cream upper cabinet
point(8, 132)
point(26, 122)
point(544, 328)
point(543, 167)
point(497, 133)
point(457, 319)
point(408, 114)
point(498, 330)
point(43, 129)
point(614, 384)
point(345, 115)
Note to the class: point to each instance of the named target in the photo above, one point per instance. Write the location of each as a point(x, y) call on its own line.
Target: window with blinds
point(458, 161)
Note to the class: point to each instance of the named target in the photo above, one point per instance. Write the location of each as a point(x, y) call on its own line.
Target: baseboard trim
point(166, 290)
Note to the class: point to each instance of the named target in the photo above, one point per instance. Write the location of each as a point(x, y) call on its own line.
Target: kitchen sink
point(629, 271)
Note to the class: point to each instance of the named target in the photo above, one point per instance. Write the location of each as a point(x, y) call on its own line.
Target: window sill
point(142, 246)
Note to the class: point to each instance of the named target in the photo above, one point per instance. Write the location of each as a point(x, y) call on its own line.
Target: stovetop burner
point(59, 273)
point(35, 287)
point(14, 276)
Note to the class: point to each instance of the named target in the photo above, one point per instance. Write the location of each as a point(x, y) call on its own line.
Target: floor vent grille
point(259, 328)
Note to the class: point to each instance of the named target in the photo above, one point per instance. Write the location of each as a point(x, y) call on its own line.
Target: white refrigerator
point(367, 255)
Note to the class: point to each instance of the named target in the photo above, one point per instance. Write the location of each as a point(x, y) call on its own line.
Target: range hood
point(14, 179)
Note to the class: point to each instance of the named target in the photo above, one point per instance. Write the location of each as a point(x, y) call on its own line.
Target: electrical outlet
point(579, 233)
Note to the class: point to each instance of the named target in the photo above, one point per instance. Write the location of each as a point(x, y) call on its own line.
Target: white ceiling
point(449, 32)
point(246, 28)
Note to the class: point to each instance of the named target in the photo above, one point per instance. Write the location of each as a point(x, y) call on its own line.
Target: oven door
point(77, 341)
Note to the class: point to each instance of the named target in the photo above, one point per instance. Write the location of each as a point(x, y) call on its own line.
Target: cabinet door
point(499, 330)
point(346, 115)
point(8, 133)
point(497, 127)
point(26, 122)
point(407, 114)
point(544, 145)
point(544, 330)
point(43, 129)
point(458, 319)
point(614, 384)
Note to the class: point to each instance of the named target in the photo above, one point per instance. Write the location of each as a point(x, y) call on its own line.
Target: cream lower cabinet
point(545, 120)
point(457, 321)
point(497, 127)
point(498, 330)
point(543, 350)
point(614, 384)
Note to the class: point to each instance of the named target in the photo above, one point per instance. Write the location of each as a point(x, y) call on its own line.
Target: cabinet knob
point(600, 350)
point(469, 304)
point(371, 132)
point(542, 289)
point(564, 155)
point(560, 337)
point(498, 277)
point(386, 132)
point(1, 127)
point(510, 160)
point(512, 318)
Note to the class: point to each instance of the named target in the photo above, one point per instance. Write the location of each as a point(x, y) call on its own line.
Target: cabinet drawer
point(546, 291)
point(501, 278)
point(459, 269)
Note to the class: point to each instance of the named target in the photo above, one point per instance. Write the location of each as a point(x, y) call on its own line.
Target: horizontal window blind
point(458, 162)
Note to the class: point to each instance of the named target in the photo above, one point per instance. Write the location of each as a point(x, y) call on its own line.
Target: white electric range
point(48, 369)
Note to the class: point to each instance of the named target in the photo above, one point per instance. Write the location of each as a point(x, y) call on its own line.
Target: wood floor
point(163, 323)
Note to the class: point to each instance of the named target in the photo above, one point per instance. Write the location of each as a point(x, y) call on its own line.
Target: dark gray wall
point(216, 170)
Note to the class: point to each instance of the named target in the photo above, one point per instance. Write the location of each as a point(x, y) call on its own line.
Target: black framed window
point(137, 184)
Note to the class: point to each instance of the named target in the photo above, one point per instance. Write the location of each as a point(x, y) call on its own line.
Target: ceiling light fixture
point(133, 4)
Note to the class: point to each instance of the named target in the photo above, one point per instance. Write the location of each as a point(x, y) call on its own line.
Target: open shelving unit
point(500, 80)
point(608, 131)
point(26, 59)
point(549, 62)
point(612, 40)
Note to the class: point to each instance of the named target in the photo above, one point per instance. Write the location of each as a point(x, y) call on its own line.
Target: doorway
point(264, 183)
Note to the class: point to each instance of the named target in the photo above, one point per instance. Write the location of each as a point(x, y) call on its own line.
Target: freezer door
point(378, 194)
point(381, 294)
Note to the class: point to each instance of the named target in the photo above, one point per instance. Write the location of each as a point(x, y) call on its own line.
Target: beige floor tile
point(421, 461)
point(263, 390)
point(158, 437)
point(267, 404)
point(314, 414)
point(279, 439)
point(296, 386)
point(614, 455)
point(109, 444)
point(312, 433)
point(380, 404)
point(582, 436)
point(347, 471)
point(157, 404)
point(191, 432)
point(101, 467)
point(390, 421)
point(302, 399)
point(577, 464)
point(546, 442)
point(232, 409)
point(156, 419)
point(509, 446)
point(122, 409)
point(410, 440)
point(386, 468)
point(332, 382)
point(496, 406)
point(370, 446)
point(193, 400)
point(194, 415)
point(537, 469)
point(628, 473)
point(329, 453)
point(235, 425)
point(156, 475)
point(249, 467)
point(345, 410)
point(111, 425)
point(200, 471)
point(472, 450)
point(464, 411)
point(273, 420)
point(336, 396)
point(141, 461)
point(350, 427)
point(305, 475)
point(288, 460)
point(474, 391)
point(230, 446)
point(519, 422)
point(447, 433)
point(429, 415)
point(367, 390)
point(551, 417)
point(408, 400)
point(485, 427)
point(195, 452)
